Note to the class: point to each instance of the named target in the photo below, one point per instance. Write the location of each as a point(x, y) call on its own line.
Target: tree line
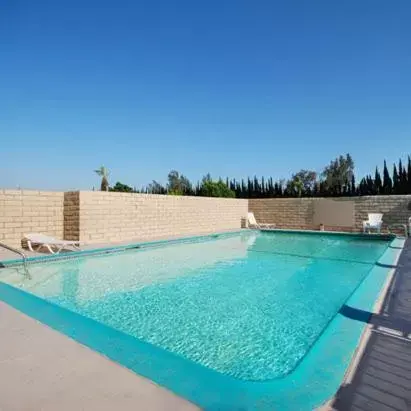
point(336, 179)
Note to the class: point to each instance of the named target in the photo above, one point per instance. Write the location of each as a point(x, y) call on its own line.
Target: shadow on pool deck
point(382, 379)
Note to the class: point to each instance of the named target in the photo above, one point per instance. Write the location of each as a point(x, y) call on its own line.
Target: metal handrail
point(24, 257)
point(391, 227)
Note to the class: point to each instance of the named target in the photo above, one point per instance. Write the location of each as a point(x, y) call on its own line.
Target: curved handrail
point(24, 257)
point(403, 226)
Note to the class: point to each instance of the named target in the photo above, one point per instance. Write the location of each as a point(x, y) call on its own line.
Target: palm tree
point(103, 173)
point(297, 185)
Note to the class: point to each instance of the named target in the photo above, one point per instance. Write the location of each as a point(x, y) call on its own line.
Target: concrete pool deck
point(43, 369)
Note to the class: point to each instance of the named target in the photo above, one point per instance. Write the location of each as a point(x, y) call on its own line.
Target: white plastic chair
point(374, 222)
point(42, 240)
point(252, 223)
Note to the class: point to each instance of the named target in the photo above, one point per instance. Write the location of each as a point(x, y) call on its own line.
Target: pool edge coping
point(153, 243)
point(114, 248)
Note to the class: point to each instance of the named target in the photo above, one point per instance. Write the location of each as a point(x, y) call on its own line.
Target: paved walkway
point(382, 380)
point(41, 369)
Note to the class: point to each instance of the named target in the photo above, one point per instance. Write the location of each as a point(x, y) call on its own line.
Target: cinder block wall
point(105, 217)
point(72, 215)
point(25, 211)
point(111, 217)
point(396, 209)
point(299, 212)
point(284, 212)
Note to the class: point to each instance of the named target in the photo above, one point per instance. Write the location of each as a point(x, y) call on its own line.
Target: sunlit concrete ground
point(41, 369)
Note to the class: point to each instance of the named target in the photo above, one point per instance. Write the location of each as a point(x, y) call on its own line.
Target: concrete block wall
point(298, 213)
point(294, 213)
point(72, 215)
point(111, 217)
point(396, 209)
point(98, 217)
point(25, 211)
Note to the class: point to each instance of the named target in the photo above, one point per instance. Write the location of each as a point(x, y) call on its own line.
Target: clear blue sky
point(230, 87)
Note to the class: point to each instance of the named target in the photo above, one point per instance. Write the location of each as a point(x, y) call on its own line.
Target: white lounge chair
point(252, 223)
point(374, 222)
point(42, 240)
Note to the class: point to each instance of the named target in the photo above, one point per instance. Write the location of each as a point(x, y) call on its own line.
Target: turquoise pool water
point(249, 306)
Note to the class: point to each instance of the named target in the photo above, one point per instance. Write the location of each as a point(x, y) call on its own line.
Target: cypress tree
point(256, 188)
point(373, 185)
point(370, 185)
point(353, 188)
point(233, 185)
point(395, 181)
point(249, 188)
point(362, 187)
point(243, 189)
point(400, 177)
point(406, 177)
point(366, 186)
point(387, 182)
point(403, 180)
point(377, 182)
point(270, 187)
point(409, 176)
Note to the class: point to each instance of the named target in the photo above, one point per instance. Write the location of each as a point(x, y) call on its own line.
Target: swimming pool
point(242, 320)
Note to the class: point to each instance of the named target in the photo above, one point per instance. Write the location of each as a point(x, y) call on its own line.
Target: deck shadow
point(378, 321)
point(382, 379)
